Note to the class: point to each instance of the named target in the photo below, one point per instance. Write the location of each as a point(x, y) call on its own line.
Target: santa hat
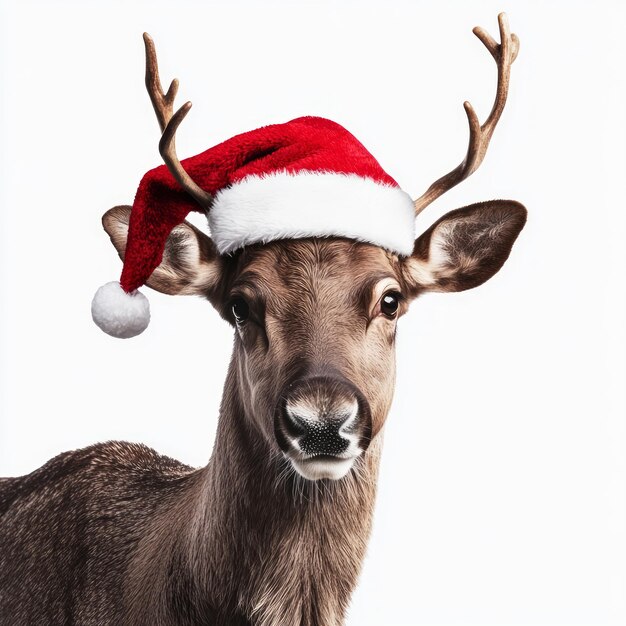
point(306, 178)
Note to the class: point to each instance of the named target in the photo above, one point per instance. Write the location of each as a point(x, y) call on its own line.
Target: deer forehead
point(314, 269)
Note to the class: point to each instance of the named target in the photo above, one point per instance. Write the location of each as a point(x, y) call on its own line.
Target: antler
point(504, 54)
point(163, 104)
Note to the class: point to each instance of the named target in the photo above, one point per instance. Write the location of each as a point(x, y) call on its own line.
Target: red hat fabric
point(308, 177)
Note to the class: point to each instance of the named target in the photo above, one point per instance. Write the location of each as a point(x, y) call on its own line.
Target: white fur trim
point(118, 313)
point(312, 204)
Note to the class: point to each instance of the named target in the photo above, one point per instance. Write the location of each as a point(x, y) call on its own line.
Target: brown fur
point(117, 534)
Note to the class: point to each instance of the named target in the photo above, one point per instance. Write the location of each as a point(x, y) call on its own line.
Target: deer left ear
point(465, 247)
point(190, 264)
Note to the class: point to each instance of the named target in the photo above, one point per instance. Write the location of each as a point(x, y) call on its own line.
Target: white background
point(503, 485)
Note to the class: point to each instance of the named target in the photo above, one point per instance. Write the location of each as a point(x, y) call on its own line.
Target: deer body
point(273, 531)
point(151, 541)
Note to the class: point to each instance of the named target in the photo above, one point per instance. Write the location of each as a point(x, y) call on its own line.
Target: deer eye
point(389, 304)
point(240, 310)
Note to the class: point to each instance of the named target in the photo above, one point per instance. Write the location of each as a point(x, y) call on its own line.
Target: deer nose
point(321, 416)
point(317, 433)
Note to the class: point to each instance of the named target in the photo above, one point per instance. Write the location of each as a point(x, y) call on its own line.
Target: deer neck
point(278, 546)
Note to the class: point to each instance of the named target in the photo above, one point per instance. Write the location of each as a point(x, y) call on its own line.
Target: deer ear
point(191, 264)
point(465, 247)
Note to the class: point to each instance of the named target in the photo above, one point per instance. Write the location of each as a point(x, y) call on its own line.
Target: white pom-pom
point(120, 314)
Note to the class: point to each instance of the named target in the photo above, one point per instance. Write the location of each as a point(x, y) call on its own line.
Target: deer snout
point(322, 426)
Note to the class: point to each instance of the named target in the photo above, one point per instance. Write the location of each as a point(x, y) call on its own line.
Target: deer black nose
point(321, 416)
point(320, 435)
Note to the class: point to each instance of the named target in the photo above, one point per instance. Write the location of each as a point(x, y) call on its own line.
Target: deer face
point(315, 321)
point(315, 328)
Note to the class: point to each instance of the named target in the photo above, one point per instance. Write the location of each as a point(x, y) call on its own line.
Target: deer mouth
point(323, 466)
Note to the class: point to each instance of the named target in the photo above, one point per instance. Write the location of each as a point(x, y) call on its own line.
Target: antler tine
point(504, 54)
point(169, 122)
point(163, 103)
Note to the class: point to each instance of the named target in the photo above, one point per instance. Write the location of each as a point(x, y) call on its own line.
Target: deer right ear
point(191, 264)
point(465, 247)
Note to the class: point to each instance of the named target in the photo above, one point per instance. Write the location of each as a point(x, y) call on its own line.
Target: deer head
point(315, 318)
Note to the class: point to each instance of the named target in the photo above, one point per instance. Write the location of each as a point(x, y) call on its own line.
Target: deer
point(274, 529)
